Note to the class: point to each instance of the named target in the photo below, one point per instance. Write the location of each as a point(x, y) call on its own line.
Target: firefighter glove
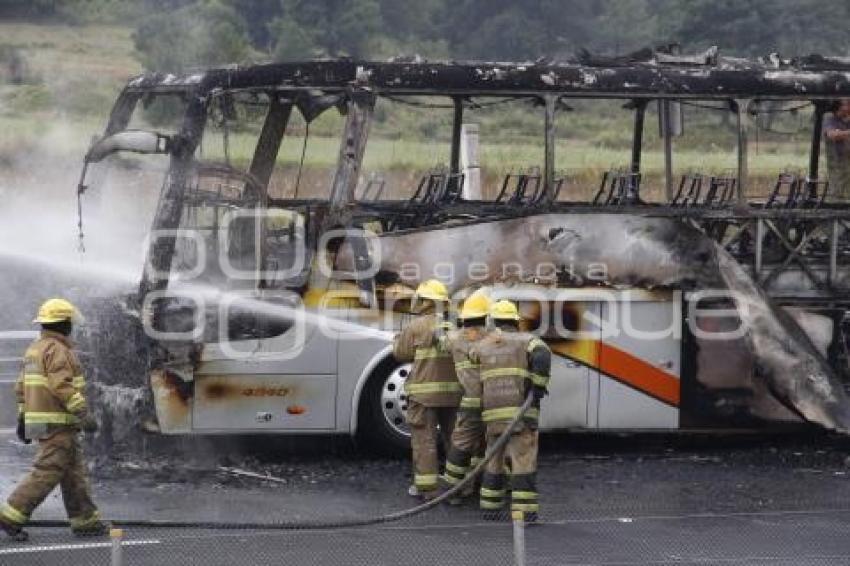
point(539, 393)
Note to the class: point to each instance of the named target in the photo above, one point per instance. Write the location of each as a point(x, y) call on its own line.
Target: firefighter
point(467, 442)
point(432, 388)
point(52, 409)
point(512, 365)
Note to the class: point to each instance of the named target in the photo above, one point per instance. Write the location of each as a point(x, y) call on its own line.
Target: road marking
point(19, 334)
point(58, 547)
point(707, 515)
point(8, 430)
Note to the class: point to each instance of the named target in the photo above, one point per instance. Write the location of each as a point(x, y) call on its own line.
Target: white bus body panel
point(567, 405)
point(621, 406)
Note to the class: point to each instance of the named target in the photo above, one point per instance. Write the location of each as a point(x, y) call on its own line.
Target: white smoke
point(39, 236)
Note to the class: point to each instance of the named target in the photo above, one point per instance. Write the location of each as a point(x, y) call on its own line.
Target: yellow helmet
point(504, 310)
point(57, 310)
point(477, 305)
point(432, 289)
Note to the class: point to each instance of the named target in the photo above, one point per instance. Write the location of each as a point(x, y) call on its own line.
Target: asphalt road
point(605, 501)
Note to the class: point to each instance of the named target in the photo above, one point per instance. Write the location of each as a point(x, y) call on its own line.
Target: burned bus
point(271, 299)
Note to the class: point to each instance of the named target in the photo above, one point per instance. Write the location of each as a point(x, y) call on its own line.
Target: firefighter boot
point(97, 529)
point(15, 532)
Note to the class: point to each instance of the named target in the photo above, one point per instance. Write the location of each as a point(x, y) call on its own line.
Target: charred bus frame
point(798, 236)
point(353, 87)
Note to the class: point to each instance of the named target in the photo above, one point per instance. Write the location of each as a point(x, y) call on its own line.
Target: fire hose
point(328, 524)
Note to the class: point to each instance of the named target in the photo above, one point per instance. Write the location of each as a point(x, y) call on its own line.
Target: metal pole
point(637, 148)
point(668, 149)
point(549, 156)
point(457, 126)
point(637, 138)
point(519, 537)
point(742, 106)
point(833, 252)
point(117, 552)
point(470, 164)
point(814, 152)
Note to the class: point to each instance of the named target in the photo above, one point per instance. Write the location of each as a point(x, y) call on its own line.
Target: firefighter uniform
point(433, 393)
point(512, 364)
point(467, 442)
point(50, 399)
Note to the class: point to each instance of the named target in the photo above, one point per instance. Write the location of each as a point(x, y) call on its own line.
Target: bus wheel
point(382, 410)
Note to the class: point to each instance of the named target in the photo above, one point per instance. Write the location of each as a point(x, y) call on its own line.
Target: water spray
point(81, 189)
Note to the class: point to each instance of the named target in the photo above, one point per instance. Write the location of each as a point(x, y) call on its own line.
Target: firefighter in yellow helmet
point(513, 364)
point(432, 388)
point(52, 409)
point(467, 445)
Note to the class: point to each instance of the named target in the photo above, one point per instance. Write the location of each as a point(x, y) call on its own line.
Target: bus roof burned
point(720, 204)
point(652, 74)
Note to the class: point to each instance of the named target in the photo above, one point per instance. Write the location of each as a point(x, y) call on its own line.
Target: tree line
point(185, 34)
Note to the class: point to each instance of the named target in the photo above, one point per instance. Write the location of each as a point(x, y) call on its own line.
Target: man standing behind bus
point(432, 388)
point(836, 131)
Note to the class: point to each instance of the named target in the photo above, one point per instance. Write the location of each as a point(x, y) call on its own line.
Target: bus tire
point(382, 425)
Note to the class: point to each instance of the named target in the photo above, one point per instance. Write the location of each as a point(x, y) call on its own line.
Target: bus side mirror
point(136, 141)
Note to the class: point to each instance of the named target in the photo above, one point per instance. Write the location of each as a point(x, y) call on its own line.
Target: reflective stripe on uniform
point(425, 480)
point(13, 515)
point(429, 353)
point(490, 505)
point(503, 372)
point(31, 417)
point(494, 493)
point(20, 408)
point(528, 495)
point(76, 402)
point(466, 364)
point(35, 380)
point(539, 380)
point(507, 413)
point(470, 403)
point(433, 387)
point(536, 343)
point(455, 469)
point(84, 522)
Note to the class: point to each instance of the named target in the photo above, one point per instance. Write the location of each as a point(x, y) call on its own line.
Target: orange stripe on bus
point(623, 367)
point(633, 371)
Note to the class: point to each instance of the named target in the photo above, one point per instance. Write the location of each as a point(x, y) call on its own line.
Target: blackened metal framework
point(802, 239)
